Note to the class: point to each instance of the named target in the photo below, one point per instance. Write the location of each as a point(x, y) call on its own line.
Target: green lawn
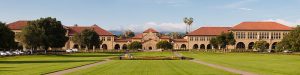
point(39, 64)
point(266, 64)
point(151, 67)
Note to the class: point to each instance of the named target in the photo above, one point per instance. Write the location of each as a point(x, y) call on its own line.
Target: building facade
point(245, 33)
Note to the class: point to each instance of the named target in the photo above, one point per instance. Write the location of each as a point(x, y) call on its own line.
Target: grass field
point(267, 64)
point(39, 64)
point(151, 67)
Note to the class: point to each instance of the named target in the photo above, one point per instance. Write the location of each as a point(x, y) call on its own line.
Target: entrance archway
point(250, 46)
point(117, 47)
point(195, 46)
point(240, 45)
point(150, 48)
point(202, 46)
point(104, 47)
point(76, 46)
point(267, 46)
point(274, 45)
point(183, 46)
point(124, 47)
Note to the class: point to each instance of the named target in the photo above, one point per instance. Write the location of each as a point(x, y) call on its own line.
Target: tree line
point(42, 34)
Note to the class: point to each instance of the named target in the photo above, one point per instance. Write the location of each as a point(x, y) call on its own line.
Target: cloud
point(246, 9)
point(285, 22)
point(240, 5)
point(168, 26)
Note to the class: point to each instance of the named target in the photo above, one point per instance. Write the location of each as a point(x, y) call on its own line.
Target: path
point(78, 68)
point(219, 67)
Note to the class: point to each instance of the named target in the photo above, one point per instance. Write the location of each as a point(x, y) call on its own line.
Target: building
point(246, 33)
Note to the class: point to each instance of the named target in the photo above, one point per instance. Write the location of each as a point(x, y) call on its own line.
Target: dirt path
point(78, 68)
point(219, 67)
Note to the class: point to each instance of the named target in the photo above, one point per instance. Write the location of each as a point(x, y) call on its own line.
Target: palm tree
point(188, 22)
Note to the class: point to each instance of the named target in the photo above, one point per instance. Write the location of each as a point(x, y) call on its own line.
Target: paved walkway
point(78, 68)
point(218, 66)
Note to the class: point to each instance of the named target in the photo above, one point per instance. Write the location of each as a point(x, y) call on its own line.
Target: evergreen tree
point(7, 36)
point(164, 45)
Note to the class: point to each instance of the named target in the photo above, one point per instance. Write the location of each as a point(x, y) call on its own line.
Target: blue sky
point(163, 15)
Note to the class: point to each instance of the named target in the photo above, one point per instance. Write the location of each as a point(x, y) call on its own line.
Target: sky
point(162, 15)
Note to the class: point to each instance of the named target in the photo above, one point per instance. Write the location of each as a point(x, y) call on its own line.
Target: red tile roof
point(209, 31)
point(138, 36)
point(260, 26)
point(164, 37)
point(18, 25)
point(150, 30)
point(179, 40)
point(78, 29)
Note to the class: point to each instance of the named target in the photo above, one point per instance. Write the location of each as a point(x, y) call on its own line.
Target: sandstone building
point(246, 33)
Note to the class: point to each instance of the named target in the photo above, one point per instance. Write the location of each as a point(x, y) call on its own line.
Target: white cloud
point(240, 5)
point(285, 22)
point(246, 9)
point(168, 26)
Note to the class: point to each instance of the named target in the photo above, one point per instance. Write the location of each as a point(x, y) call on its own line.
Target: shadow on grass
point(52, 61)
point(6, 70)
point(77, 55)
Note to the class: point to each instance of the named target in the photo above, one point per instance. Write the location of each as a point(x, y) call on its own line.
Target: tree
point(230, 39)
point(260, 45)
point(291, 41)
point(127, 34)
point(175, 35)
point(43, 33)
point(188, 22)
point(164, 45)
point(223, 40)
point(7, 36)
point(215, 42)
point(77, 38)
point(89, 38)
point(135, 45)
point(32, 36)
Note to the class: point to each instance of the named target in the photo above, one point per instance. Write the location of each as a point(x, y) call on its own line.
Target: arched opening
point(267, 46)
point(104, 47)
point(202, 46)
point(209, 46)
point(183, 46)
point(250, 46)
point(76, 46)
point(124, 47)
point(150, 48)
point(117, 47)
point(195, 46)
point(240, 45)
point(274, 45)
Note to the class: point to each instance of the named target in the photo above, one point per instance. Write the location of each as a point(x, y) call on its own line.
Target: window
point(191, 38)
point(275, 35)
point(108, 38)
point(264, 35)
point(240, 35)
point(102, 38)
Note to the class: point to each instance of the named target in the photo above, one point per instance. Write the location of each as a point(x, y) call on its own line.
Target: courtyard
point(256, 63)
